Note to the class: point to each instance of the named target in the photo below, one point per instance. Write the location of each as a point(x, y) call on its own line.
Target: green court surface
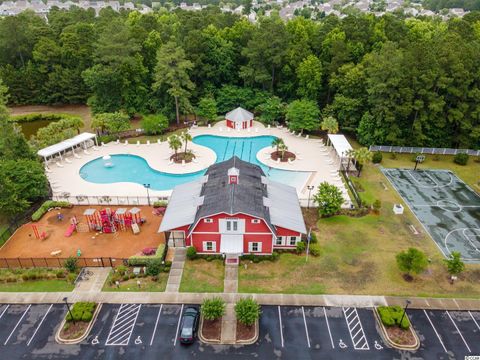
point(447, 208)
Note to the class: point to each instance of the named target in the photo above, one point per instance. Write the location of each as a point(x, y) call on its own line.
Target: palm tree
point(186, 137)
point(350, 154)
point(362, 156)
point(282, 147)
point(330, 125)
point(277, 142)
point(174, 143)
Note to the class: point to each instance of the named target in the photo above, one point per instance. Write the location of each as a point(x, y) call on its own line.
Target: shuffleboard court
point(447, 208)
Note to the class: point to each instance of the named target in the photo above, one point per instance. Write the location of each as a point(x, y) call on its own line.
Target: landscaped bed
point(39, 279)
point(396, 327)
point(78, 322)
point(129, 281)
point(200, 275)
point(245, 332)
point(212, 329)
point(286, 156)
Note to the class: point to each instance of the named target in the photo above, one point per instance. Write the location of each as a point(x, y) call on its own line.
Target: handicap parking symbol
point(138, 341)
point(95, 340)
point(378, 346)
point(342, 345)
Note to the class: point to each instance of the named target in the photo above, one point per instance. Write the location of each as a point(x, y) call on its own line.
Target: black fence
point(423, 150)
point(57, 262)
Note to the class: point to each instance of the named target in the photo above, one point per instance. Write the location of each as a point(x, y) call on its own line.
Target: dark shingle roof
point(244, 197)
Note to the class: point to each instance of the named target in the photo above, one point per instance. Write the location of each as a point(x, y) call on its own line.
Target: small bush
point(107, 138)
point(461, 159)
point(81, 311)
point(377, 157)
point(149, 251)
point(160, 203)
point(393, 156)
point(300, 247)
point(154, 268)
point(377, 205)
point(213, 309)
point(315, 249)
point(70, 264)
point(122, 270)
point(191, 253)
point(37, 215)
point(60, 274)
point(143, 260)
point(391, 316)
point(313, 238)
point(247, 311)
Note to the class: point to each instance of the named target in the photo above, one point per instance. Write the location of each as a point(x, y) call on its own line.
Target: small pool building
point(239, 119)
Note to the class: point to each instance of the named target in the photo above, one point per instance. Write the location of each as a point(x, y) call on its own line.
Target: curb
point(386, 338)
point(62, 341)
point(203, 339)
point(251, 340)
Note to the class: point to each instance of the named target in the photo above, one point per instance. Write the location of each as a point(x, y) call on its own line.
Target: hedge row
point(49, 204)
point(81, 311)
point(40, 116)
point(142, 260)
point(391, 316)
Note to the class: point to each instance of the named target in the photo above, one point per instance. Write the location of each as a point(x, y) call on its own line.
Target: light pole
point(147, 186)
point(408, 302)
point(310, 188)
point(65, 300)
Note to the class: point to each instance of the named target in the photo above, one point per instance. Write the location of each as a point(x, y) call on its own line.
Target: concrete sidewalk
point(359, 301)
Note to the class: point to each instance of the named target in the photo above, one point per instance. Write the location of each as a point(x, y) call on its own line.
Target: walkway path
point(95, 281)
point(229, 321)
point(176, 271)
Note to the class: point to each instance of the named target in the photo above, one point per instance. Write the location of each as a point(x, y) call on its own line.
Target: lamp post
point(65, 300)
point(408, 302)
point(310, 188)
point(147, 186)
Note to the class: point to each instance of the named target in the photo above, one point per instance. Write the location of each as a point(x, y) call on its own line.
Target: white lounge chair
point(228, 129)
point(138, 143)
point(67, 160)
point(47, 169)
point(125, 143)
point(299, 134)
point(86, 152)
point(256, 130)
point(183, 162)
point(148, 142)
point(209, 126)
point(95, 148)
point(103, 144)
point(290, 161)
point(59, 165)
point(278, 161)
point(307, 137)
point(159, 141)
point(220, 129)
point(76, 156)
point(268, 126)
point(170, 162)
point(117, 142)
point(249, 130)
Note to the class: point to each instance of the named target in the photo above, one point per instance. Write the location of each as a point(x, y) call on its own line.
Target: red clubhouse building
point(234, 209)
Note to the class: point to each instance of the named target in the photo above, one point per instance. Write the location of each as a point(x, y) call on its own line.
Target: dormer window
point(255, 221)
point(208, 220)
point(233, 174)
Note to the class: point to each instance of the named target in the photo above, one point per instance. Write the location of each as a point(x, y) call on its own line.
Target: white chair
point(183, 162)
point(209, 126)
point(67, 160)
point(103, 144)
point(76, 156)
point(290, 161)
point(278, 160)
point(95, 148)
point(117, 142)
point(228, 129)
point(59, 165)
point(47, 169)
point(268, 126)
point(125, 143)
point(256, 130)
point(307, 137)
point(170, 162)
point(299, 134)
point(220, 129)
point(148, 142)
point(138, 143)
point(195, 160)
point(159, 141)
point(248, 130)
point(86, 152)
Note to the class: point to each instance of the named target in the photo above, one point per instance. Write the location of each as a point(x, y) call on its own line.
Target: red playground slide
point(70, 230)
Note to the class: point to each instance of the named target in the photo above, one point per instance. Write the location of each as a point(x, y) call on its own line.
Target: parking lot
point(149, 331)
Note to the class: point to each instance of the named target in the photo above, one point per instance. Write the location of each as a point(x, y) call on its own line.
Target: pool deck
point(311, 154)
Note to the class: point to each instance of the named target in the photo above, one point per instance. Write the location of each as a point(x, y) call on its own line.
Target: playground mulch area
point(122, 244)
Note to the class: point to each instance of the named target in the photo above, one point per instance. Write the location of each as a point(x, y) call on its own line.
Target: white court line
point(4, 311)
point(178, 326)
point(475, 321)
point(133, 326)
point(436, 332)
point(328, 327)
point(38, 327)
point(156, 323)
point(306, 328)
point(458, 330)
point(18, 323)
point(281, 326)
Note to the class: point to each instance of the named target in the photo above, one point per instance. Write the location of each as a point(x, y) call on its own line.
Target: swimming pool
point(135, 169)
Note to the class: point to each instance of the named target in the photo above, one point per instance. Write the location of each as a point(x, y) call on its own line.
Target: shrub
point(154, 268)
point(37, 215)
point(391, 316)
point(40, 116)
point(313, 238)
point(81, 311)
point(213, 309)
point(71, 277)
point(377, 157)
point(107, 138)
point(300, 247)
point(461, 159)
point(60, 274)
point(149, 251)
point(70, 264)
point(393, 156)
point(377, 205)
point(412, 261)
point(455, 265)
point(122, 270)
point(143, 260)
point(247, 311)
point(314, 249)
point(191, 253)
point(160, 203)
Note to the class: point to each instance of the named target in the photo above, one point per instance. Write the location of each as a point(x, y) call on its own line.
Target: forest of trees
point(388, 80)
point(437, 5)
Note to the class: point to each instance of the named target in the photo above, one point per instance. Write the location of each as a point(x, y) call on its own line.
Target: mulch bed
point(73, 331)
point(245, 332)
point(286, 156)
point(212, 329)
point(400, 336)
point(187, 156)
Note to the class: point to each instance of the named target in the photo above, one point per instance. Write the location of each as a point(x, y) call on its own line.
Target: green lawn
point(37, 286)
point(202, 276)
point(358, 254)
point(146, 284)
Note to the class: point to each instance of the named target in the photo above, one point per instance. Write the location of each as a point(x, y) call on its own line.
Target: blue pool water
point(135, 169)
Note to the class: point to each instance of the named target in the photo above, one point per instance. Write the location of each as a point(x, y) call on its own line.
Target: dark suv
point(189, 325)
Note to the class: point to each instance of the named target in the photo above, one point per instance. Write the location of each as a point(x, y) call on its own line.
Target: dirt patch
point(287, 155)
point(75, 330)
point(311, 217)
point(121, 244)
point(179, 157)
point(245, 332)
point(400, 336)
point(212, 329)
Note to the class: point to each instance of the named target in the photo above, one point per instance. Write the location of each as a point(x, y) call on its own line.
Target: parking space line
point(18, 323)
point(281, 326)
point(156, 324)
point(38, 327)
point(306, 328)
point(123, 325)
point(359, 339)
point(436, 332)
point(4, 311)
point(178, 326)
point(458, 330)
point(328, 327)
point(475, 321)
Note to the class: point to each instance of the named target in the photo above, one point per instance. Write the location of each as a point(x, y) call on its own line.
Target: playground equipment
point(110, 221)
point(93, 220)
point(107, 220)
point(123, 219)
point(41, 235)
point(137, 216)
point(72, 227)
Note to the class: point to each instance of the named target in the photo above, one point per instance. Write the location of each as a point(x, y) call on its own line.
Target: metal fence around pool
point(108, 200)
point(423, 150)
point(56, 262)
